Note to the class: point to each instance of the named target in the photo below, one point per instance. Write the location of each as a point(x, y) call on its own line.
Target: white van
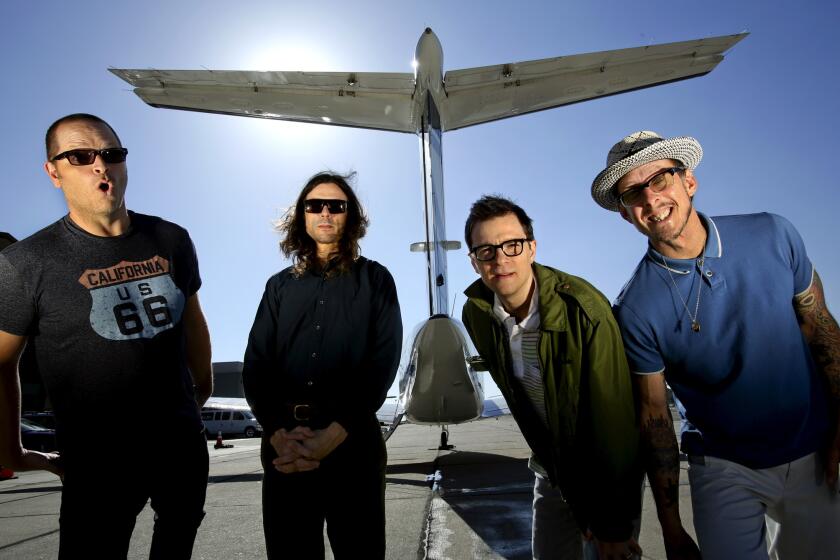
point(230, 422)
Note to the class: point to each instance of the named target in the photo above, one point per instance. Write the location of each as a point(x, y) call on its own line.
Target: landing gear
point(444, 439)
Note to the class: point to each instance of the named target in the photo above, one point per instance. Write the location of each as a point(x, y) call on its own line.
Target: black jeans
point(347, 492)
point(101, 498)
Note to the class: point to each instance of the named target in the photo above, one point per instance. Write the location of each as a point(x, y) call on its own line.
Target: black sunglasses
point(316, 205)
point(88, 155)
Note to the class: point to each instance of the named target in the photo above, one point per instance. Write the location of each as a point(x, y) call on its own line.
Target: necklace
point(695, 324)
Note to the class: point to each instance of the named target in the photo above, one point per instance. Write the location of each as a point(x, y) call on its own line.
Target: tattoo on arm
point(662, 460)
point(822, 333)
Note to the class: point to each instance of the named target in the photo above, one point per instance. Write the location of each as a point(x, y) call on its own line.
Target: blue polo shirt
point(747, 382)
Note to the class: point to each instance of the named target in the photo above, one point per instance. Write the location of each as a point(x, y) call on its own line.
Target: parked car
point(230, 422)
point(35, 437)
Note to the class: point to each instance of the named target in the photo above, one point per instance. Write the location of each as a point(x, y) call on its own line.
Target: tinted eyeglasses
point(511, 248)
point(316, 205)
point(660, 181)
point(87, 156)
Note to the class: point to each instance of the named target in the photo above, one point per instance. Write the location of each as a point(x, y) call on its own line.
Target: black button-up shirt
point(333, 342)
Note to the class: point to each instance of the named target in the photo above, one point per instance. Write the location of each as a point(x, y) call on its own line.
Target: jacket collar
point(550, 282)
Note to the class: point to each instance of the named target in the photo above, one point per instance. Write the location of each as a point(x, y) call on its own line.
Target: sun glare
point(289, 56)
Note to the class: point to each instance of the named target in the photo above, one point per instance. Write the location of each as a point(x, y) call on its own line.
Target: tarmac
point(473, 501)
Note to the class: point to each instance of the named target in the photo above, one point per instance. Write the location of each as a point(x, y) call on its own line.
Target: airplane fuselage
point(439, 386)
point(428, 64)
point(427, 103)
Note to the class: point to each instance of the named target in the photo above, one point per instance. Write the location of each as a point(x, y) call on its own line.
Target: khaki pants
point(730, 502)
point(555, 534)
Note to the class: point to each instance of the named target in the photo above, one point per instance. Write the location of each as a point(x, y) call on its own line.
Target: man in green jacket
point(552, 346)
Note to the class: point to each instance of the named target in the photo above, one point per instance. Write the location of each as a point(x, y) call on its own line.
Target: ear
point(475, 265)
point(690, 182)
point(52, 171)
point(533, 250)
point(623, 211)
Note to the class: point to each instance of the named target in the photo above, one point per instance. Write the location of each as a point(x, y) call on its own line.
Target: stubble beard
point(670, 239)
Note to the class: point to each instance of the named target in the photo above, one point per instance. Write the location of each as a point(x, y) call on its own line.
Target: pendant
point(695, 326)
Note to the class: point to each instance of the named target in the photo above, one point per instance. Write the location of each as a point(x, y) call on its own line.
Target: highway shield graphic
point(133, 299)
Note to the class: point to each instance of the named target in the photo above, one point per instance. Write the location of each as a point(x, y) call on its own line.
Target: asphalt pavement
point(472, 501)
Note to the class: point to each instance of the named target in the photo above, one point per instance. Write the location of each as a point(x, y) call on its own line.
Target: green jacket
point(591, 447)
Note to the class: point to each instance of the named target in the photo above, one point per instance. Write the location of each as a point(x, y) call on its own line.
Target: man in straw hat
point(731, 313)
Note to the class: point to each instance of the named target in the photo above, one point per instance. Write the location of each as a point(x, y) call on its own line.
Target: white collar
point(531, 320)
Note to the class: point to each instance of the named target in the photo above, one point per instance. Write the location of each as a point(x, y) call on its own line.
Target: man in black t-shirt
point(6, 239)
point(108, 299)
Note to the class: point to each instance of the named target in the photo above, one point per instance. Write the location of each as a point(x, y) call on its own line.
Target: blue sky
point(767, 118)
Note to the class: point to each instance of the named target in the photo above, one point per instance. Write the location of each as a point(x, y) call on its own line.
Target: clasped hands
point(302, 449)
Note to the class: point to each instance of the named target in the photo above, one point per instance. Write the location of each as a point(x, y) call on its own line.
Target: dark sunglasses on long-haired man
point(316, 205)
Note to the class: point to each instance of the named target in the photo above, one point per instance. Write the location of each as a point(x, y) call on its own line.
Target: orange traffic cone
point(221, 444)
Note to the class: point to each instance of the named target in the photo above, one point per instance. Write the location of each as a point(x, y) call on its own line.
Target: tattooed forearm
point(822, 333)
point(662, 460)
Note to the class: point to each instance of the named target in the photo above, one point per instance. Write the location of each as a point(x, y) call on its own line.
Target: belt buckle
point(302, 412)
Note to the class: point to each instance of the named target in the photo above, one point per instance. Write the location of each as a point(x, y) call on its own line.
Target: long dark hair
point(297, 244)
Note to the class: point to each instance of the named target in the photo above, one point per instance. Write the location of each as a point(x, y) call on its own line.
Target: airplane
point(440, 383)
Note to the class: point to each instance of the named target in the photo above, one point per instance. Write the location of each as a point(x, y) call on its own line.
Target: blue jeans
point(100, 501)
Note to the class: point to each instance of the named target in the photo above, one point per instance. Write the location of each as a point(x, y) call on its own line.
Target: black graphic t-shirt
point(104, 317)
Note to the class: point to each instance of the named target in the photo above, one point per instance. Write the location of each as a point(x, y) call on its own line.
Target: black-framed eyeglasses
point(660, 181)
point(511, 248)
point(87, 156)
point(316, 205)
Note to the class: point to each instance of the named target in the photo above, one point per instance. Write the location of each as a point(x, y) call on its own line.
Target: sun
point(289, 55)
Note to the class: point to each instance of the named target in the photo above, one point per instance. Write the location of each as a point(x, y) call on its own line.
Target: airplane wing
point(495, 406)
point(478, 95)
point(390, 410)
point(381, 101)
point(228, 403)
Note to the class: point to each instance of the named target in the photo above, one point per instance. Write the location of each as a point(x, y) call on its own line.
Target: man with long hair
point(322, 353)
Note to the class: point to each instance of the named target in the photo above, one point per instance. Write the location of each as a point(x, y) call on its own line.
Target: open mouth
point(663, 215)
point(104, 187)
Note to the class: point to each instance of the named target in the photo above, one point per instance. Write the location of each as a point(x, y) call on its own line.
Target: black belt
point(304, 412)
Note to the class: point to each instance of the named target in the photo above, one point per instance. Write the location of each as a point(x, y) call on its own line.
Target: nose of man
point(100, 165)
